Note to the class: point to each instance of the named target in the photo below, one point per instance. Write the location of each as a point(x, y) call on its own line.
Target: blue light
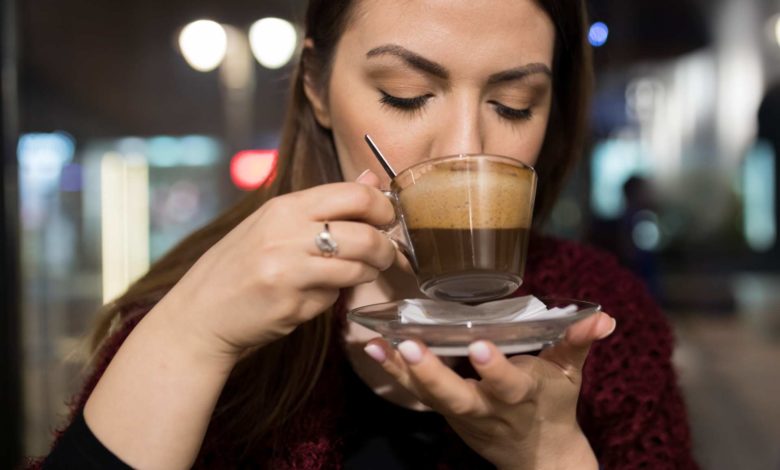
point(164, 151)
point(646, 235)
point(598, 34)
point(758, 181)
point(42, 157)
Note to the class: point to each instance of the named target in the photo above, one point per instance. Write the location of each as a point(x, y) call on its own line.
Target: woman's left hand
point(523, 412)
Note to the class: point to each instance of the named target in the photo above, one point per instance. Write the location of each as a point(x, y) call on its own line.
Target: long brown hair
point(262, 394)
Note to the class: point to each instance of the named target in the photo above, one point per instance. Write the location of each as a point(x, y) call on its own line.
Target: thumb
point(369, 178)
point(572, 350)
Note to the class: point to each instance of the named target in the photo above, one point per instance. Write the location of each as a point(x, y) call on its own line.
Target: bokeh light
point(598, 34)
point(273, 42)
point(203, 43)
point(646, 235)
point(42, 157)
point(777, 30)
point(646, 232)
point(250, 169)
point(164, 151)
point(759, 188)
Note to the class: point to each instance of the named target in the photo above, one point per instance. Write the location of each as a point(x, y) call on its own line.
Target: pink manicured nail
point(411, 352)
point(376, 352)
point(480, 352)
point(611, 329)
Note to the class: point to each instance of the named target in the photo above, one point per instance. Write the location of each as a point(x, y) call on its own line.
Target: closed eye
point(417, 102)
point(404, 104)
point(512, 114)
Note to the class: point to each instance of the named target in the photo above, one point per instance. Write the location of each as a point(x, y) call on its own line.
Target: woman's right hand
point(154, 401)
point(267, 276)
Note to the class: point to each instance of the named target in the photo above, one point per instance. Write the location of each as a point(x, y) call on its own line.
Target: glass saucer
point(454, 339)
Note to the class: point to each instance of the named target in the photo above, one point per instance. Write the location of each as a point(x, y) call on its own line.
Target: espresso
point(468, 223)
point(442, 252)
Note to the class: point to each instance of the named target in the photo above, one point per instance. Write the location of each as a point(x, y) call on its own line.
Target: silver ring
point(325, 242)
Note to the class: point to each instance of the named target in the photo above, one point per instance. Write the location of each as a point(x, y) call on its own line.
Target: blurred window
point(94, 215)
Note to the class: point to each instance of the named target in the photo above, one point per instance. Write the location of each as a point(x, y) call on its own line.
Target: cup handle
point(396, 231)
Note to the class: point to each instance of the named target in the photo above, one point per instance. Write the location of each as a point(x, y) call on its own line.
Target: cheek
point(350, 147)
point(353, 114)
point(521, 141)
point(531, 146)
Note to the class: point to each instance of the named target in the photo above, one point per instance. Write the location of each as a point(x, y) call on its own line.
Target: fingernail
point(480, 352)
point(410, 351)
point(611, 328)
point(376, 352)
point(360, 178)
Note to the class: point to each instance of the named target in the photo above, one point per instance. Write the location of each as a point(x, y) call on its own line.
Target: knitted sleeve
point(630, 389)
point(105, 355)
point(630, 406)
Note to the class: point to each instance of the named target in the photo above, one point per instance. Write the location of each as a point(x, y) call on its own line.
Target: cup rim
point(465, 156)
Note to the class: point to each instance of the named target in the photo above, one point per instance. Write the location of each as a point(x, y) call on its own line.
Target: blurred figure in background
point(637, 233)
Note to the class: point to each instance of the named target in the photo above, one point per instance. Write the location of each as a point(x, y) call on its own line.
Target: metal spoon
point(380, 157)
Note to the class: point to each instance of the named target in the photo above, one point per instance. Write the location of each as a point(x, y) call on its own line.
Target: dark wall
point(10, 353)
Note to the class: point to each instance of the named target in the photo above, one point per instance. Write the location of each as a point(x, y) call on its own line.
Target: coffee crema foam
point(451, 198)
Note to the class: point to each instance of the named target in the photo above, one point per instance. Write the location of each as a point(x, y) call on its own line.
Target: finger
point(369, 178)
point(397, 367)
point(357, 242)
point(437, 385)
point(314, 301)
point(400, 259)
point(570, 353)
point(346, 201)
point(336, 273)
point(509, 382)
point(390, 360)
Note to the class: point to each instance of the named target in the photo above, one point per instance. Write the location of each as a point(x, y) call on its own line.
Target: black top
point(377, 435)
point(79, 449)
point(382, 436)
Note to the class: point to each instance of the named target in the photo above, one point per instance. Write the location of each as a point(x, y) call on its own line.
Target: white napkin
point(499, 311)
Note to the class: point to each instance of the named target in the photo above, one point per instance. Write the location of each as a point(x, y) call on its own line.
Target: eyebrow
point(415, 60)
point(519, 73)
point(437, 70)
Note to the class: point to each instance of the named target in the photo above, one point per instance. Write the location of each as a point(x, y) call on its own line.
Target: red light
point(250, 169)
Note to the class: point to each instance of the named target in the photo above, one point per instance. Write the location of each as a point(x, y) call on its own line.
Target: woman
point(233, 350)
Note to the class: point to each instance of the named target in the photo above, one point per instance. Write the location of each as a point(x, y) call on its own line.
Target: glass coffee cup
point(463, 222)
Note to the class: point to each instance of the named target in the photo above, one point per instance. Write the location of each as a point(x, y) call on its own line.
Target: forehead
point(461, 34)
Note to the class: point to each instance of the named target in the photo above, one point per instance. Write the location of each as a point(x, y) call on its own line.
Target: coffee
point(445, 251)
point(449, 259)
point(468, 223)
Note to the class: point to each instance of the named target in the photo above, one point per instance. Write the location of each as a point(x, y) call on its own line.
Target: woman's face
point(428, 78)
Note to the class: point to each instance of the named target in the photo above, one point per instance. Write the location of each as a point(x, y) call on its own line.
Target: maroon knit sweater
point(630, 406)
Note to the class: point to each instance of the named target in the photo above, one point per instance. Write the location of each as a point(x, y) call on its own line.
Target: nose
point(460, 129)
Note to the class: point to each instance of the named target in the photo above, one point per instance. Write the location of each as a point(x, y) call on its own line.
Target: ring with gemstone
point(325, 242)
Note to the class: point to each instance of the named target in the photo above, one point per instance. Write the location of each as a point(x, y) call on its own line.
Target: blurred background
point(126, 125)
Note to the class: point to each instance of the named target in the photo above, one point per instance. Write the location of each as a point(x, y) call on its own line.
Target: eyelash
point(412, 105)
point(513, 114)
point(404, 104)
